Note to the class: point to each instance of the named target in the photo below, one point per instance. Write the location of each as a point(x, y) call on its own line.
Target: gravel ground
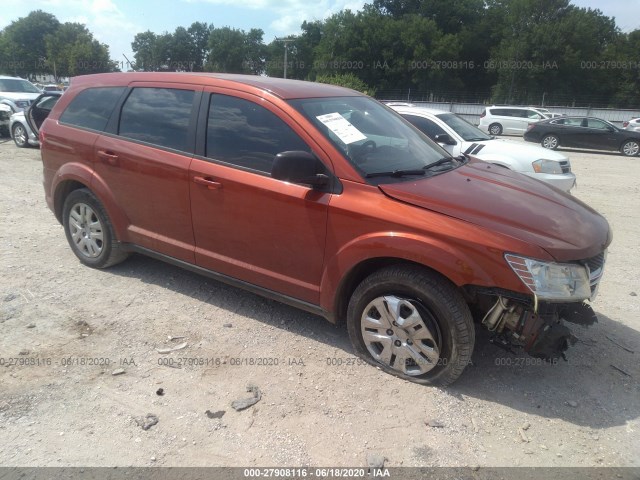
point(83, 378)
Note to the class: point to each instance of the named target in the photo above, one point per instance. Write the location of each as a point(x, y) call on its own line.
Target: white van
point(509, 120)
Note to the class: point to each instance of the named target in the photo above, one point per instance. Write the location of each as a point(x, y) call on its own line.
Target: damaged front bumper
point(542, 333)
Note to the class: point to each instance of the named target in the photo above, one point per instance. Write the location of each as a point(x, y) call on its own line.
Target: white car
point(17, 93)
point(633, 124)
point(458, 136)
point(510, 120)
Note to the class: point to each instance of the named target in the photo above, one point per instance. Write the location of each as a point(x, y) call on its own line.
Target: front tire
point(20, 135)
point(550, 141)
point(411, 323)
point(89, 230)
point(630, 148)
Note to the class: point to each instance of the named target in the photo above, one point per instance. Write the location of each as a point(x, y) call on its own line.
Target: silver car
point(633, 124)
point(24, 126)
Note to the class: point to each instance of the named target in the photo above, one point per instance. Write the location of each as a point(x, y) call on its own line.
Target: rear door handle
point(208, 182)
point(108, 157)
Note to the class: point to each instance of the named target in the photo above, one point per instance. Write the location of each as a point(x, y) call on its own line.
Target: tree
point(144, 51)
point(348, 80)
point(71, 50)
point(24, 43)
point(236, 51)
point(199, 33)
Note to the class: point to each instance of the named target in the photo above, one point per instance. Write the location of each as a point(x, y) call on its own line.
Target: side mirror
point(299, 167)
point(446, 139)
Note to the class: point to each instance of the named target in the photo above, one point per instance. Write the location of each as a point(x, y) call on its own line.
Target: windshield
point(372, 137)
point(466, 130)
point(17, 85)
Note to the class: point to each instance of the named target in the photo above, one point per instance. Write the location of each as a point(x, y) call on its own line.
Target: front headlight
point(22, 103)
point(550, 280)
point(546, 166)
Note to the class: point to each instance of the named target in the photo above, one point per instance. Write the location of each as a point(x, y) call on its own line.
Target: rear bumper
point(564, 182)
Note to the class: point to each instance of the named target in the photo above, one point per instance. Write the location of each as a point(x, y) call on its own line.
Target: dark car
point(24, 126)
point(583, 132)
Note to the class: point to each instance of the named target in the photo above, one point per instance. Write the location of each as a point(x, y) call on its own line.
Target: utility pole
point(128, 62)
point(286, 41)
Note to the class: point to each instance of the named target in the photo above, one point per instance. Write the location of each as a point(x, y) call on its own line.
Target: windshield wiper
point(437, 163)
point(396, 173)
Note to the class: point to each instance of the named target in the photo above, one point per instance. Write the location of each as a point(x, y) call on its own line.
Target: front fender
point(450, 261)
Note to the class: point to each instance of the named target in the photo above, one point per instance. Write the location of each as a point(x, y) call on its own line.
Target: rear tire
point(89, 230)
point(412, 323)
point(495, 129)
point(630, 148)
point(550, 141)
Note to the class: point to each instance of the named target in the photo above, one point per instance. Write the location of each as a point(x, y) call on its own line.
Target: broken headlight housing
point(550, 280)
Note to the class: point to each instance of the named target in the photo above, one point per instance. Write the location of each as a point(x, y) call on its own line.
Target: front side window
point(469, 132)
point(159, 116)
point(92, 107)
point(247, 135)
point(426, 126)
point(374, 139)
point(599, 124)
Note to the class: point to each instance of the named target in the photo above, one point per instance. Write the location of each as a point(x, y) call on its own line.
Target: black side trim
point(234, 282)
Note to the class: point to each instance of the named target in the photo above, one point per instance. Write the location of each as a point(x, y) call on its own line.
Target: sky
point(116, 22)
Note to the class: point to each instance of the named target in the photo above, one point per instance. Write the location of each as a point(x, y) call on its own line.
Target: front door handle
point(108, 157)
point(208, 182)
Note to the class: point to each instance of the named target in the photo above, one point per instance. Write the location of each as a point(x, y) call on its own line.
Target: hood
point(512, 204)
point(13, 96)
point(525, 152)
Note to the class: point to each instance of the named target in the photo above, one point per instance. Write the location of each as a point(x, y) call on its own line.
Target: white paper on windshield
point(342, 128)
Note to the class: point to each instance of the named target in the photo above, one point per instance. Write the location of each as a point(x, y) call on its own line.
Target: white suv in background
point(510, 120)
point(17, 93)
point(457, 136)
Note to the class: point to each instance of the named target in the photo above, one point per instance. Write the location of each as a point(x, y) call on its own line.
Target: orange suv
point(324, 199)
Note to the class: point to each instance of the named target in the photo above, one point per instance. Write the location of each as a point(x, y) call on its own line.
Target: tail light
point(530, 126)
point(625, 124)
point(483, 114)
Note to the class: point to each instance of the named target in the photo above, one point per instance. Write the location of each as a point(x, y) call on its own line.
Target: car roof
point(283, 88)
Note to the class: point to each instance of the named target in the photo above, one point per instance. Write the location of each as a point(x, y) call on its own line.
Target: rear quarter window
point(92, 108)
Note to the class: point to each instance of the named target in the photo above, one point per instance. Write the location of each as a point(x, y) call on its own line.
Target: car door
point(38, 112)
point(600, 135)
point(248, 225)
point(145, 161)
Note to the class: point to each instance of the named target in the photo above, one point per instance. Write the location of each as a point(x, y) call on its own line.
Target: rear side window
point(245, 134)
point(157, 115)
point(92, 108)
